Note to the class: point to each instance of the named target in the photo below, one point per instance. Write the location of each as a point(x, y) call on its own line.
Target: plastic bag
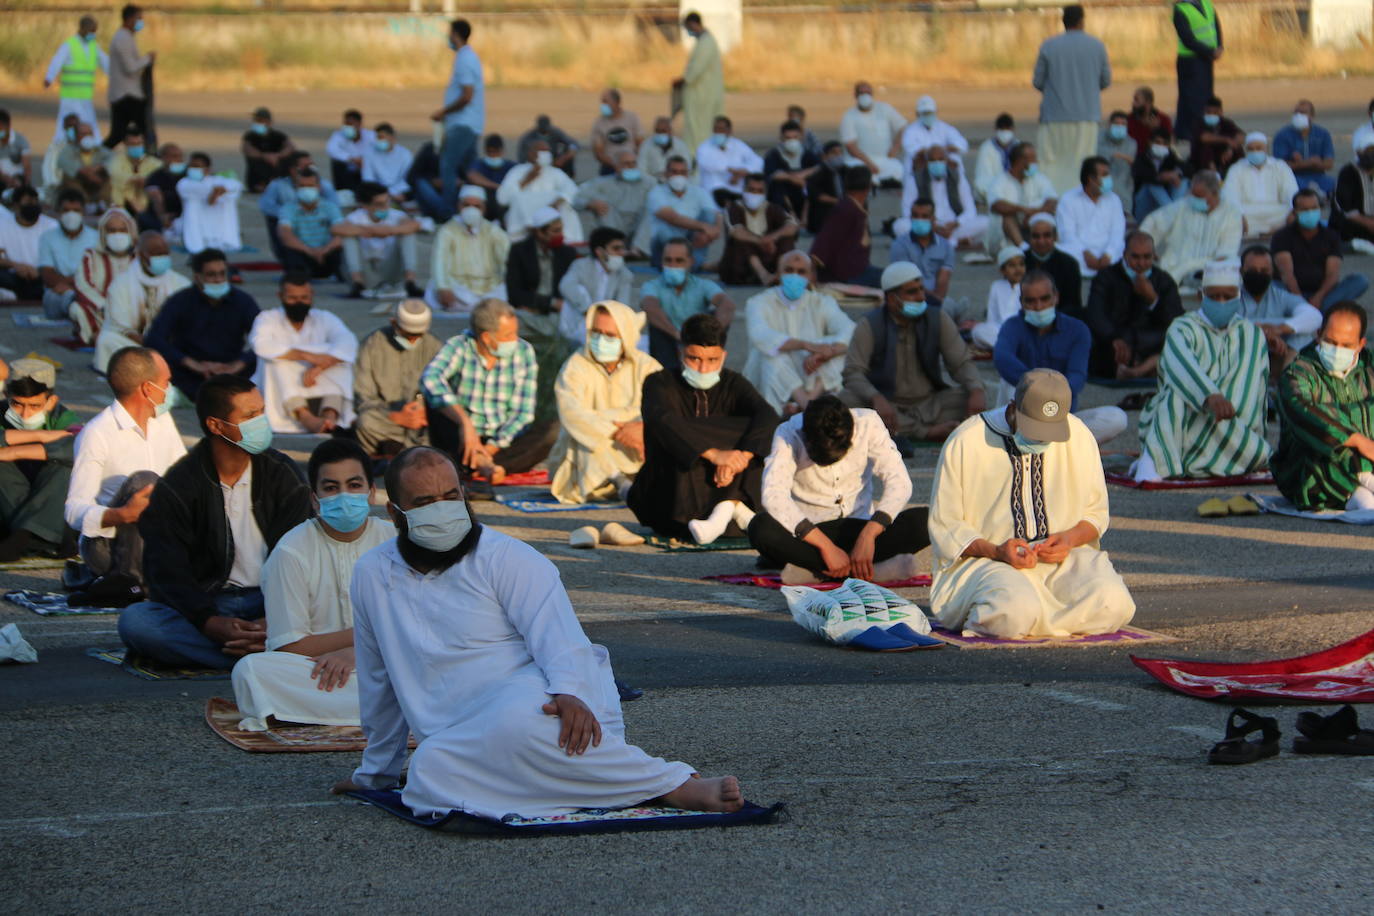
point(841, 614)
point(15, 648)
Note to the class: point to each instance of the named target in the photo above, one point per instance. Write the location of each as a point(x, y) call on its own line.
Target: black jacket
point(1063, 268)
point(1116, 312)
point(522, 274)
point(188, 550)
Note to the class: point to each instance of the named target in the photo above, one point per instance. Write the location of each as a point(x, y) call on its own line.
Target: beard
point(425, 560)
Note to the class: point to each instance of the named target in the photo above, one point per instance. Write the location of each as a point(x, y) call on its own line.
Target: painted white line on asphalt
point(1075, 699)
point(1197, 731)
point(65, 822)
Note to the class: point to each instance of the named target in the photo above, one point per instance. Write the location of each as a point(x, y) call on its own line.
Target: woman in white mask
point(99, 268)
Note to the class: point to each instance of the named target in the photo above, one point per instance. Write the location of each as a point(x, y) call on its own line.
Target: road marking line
point(1075, 699)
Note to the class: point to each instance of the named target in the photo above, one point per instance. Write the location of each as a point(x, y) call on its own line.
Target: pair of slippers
point(613, 534)
point(1216, 507)
point(1338, 733)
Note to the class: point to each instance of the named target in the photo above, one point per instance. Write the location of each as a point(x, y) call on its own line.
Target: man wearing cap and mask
point(1325, 458)
point(1017, 513)
point(898, 356)
point(534, 270)
point(1044, 253)
point(386, 381)
point(136, 297)
point(120, 454)
point(306, 673)
point(600, 445)
point(1261, 187)
point(1208, 417)
point(35, 462)
point(209, 525)
point(1191, 232)
point(534, 186)
point(929, 131)
point(468, 262)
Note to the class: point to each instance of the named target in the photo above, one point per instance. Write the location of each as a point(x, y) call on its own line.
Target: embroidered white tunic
point(281, 380)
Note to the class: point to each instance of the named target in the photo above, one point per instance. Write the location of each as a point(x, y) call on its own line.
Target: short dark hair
point(462, 28)
point(1161, 132)
point(216, 397)
point(692, 18)
point(1214, 101)
point(677, 240)
point(331, 451)
point(1019, 150)
point(4, 116)
point(789, 124)
point(23, 191)
point(797, 108)
point(403, 460)
point(204, 157)
point(1073, 16)
point(308, 173)
point(129, 368)
point(755, 176)
point(1089, 168)
point(1348, 307)
point(702, 330)
point(922, 202)
point(494, 141)
point(69, 196)
point(827, 429)
point(295, 278)
point(723, 118)
point(133, 129)
point(1308, 192)
point(353, 114)
point(206, 256)
point(602, 236)
point(26, 388)
point(1004, 122)
point(385, 126)
point(1117, 113)
point(294, 157)
point(676, 159)
point(1038, 276)
point(130, 11)
point(857, 178)
point(1255, 250)
point(831, 145)
point(368, 190)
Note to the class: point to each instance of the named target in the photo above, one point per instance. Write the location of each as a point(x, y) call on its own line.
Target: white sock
point(1144, 468)
point(742, 515)
point(1363, 497)
point(622, 485)
point(706, 530)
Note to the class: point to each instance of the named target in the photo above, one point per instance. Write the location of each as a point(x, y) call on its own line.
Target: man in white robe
point(1091, 220)
point(530, 187)
point(305, 674)
point(940, 177)
point(468, 263)
point(305, 362)
point(1018, 509)
point(1199, 228)
point(209, 208)
point(798, 337)
point(702, 84)
point(871, 134)
point(1018, 194)
point(929, 131)
point(135, 298)
point(600, 445)
point(514, 710)
point(1261, 187)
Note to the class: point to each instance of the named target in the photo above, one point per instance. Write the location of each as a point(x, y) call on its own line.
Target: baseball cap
point(1042, 404)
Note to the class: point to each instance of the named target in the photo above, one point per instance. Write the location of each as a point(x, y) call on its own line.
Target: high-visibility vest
point(1203, 22)
point(78, 74)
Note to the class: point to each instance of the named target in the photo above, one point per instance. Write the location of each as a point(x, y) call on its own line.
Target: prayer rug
point(587, 820)
point(773, 580)
point(1258, 479)
point(547, 502)
point(40, 321)
point(1278, 505)
point(33, 563)
point(663, 543)
point(1342, 674)
point(71, 343)
point(223, 717)
point(51, 604)
point(536, 478)
point(152, 671)
point(256, 266)
point(1125, 635)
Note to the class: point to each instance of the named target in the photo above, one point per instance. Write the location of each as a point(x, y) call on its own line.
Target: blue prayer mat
point(547, 502)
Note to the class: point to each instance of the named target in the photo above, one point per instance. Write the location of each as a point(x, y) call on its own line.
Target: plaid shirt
point(499, 400)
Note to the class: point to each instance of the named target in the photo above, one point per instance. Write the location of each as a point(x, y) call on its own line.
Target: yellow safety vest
point(78, 74)
point(1203, 22)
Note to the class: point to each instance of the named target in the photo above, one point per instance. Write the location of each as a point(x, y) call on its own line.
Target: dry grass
point(813, 51)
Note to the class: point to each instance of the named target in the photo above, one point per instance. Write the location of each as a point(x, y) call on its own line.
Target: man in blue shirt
point(924, 247)
point(1307, 148)
point(203, 330)
point(281, 191)
point(60, 251)
point(1040, 338)
point(464, 114)
point(680, 209)
point(489, 170)
point(667, 302)
point(305, 229)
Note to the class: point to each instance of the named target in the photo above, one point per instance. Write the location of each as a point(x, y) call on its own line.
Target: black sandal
point(1235, 749)
point(1338, 733)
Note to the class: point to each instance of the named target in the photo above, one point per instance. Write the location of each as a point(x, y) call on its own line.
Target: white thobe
point(469, 263)
point(985, 488)
point(773, 320)
point(553, 188)
point(1031, 191)
point(916, 137)
point(1097, 227)
point(972, 224)
point(206, 225)
point(132, 303)
point(990, 166)
point(388, 169)
point(342, 149)
point(1186, 240)
point(1004, 300)
point(1263, 195)
point(304, 593)
point(280, 380)
point(470, 685)
point(873, 131)
point(714, 164)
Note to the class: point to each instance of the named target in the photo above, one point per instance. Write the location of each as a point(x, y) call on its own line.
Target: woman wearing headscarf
point(99, 268)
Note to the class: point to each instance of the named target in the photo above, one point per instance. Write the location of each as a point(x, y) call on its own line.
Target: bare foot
point(312, 423)
point(696, 794)
point(496, 474)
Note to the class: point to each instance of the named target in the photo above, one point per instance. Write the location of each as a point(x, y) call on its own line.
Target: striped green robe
point(1320, 411)
point(1199, 360)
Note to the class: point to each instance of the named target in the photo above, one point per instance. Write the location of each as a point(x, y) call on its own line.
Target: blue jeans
point(459, 144)
point(431, 202)
point(1151, 197)
point(161, 633)
point(1351, 286)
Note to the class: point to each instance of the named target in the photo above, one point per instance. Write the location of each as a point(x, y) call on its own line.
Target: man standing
point(702, 84)
point(75, 62)
point(614, 132)
point(386, 381)
point(128, 102)
point(464, 114)
point(1071, 71)
point(1199, 48)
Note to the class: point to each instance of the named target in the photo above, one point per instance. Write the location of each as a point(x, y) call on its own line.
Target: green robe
point(1182, 437)
point(1320, 411)
point(703, 92)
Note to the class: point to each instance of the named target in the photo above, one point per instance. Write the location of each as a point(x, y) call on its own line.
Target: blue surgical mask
point(1219, 312)
point(135, 152)
point(793, 286)
point(350, 132)
point(1117, 131)
point(439, 526)
point(159, 264)
point(1211, 120)
point(1032, 170)
point(195, 173)
point(675, 276)
point(605, 110)
point(938, 169)
point(1309, 219)
point(702, 381)
point(1029, 446)
point(631, 175)
point(1256, 157)
point(255, 435)
point(604, 349)
point(258, 128)
point(663, 140)
point(71, 134)
point(383, 146)
point(927, 119)
point(914, 309)
point(216, 290)
point(494, 162)
point(138, 26)
point(1041, 319)
point(1132, 274)
point(720, 140)
point(165, 405)
point(1197, 203)
point(506, 349)
point(379, 215)
point(1337, 360)
point(345, 512)
point(1108, 185)
point(31, 422)
point(920, 228)
point(308, 195)
point(176, 168)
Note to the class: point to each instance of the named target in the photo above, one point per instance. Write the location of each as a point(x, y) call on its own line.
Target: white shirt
point(989, 166)
point(206, 225)
point(874, 130)
point(1363, 137)
point(917, 137)
point(1004, 301)
point(797, 491)
point(250, 550)
point(305, 580)
point(553, 184)
point(20, 243)
point(342, 149)
point(388, 169)
point(944, 212)
point(1029, 192)
point(714, 164)
point(374, 249)
point(1087, 225)
point(108, 449)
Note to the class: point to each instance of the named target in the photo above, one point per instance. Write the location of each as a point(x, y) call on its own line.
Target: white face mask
point(119, 242)
point(752, 201)
point(865, 100)
point(71, 220)
point(1158, 151)
point(1005, 137)
point(543, 158)
point(439, 526)
point(31, 422)
point(678, 183)
point(471, 216)
point(615, 262)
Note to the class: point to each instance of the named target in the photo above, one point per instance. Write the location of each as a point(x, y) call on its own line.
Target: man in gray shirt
point(128, 101)
point(1070, 72)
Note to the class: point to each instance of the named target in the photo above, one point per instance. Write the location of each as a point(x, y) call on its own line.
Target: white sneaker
point(1364, 246)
